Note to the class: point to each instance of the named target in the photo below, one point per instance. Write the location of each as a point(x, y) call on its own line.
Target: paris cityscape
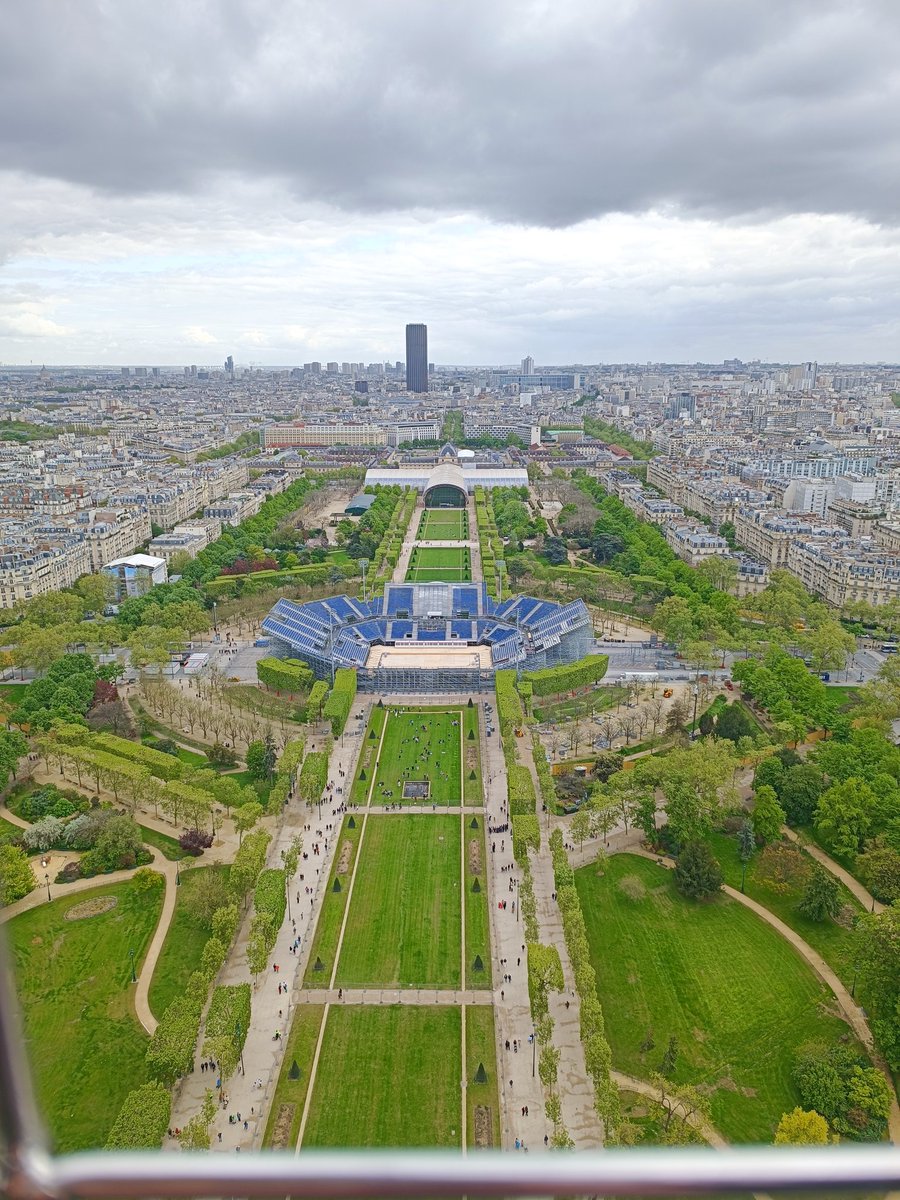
point(450, 596)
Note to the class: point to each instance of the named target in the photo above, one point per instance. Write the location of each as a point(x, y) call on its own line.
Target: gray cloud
point(537, 113)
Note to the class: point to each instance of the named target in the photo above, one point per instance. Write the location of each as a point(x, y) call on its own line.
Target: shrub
point(285, 675)
point(526, 835)
point(171, 1050)
point(343, 693)
point(195, 841)
point(270, 897)
point(227, 1023)
point(522, 800)
point(143, 1119)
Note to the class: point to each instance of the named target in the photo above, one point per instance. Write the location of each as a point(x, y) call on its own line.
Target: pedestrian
point(220, 1135)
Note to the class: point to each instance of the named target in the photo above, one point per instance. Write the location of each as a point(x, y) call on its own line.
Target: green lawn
point(168, 846)
point(444, 525)
point(13, 693)
point(845, 693)
point(480, 1051)
point(403, 928)
point(435, 757)
point(595, 701)
point(428, 563)
point(331, 911)
point(74, 981)
point(834, 941)
point(738, 998)
point(362, 780)
point(183, 946)
point(388, 1076)
point(291, 1093)
point(191, 758)
point(262, 787)
point(478, 933)
point(8, 830)
point(472, 792)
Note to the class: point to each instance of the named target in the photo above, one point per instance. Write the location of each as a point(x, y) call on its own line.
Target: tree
point(195, 1135)
point(829, 646)
point(555, 551)
point(580, 826)
point(802, 1127)
point(16, 876)
point(697, 873)
point(257, 759)
point(844, 815)
point(151, 645)
point(670, 1058)
point(769, 772)
point(746, 840)
point(720, 571)
point(768, 815)
point(246, 817)
point(798, 791)
point(821, 898)
point(878, 939)
point(879, 869)
point(680, 1107)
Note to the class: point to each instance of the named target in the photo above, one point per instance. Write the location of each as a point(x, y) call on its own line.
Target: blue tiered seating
point(431, 635)
point(400, 629)
point(399, 600)
point(461, 629)
point(465, 599)
point(342, 608)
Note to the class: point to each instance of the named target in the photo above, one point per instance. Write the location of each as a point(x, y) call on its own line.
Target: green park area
point(404, 924)
point(72, 960)
point(736, 996)
point(286, 1111)
point(201, 891)
point(444, 525)
point(388, 1076)
point(422, 746)
point(430, 563)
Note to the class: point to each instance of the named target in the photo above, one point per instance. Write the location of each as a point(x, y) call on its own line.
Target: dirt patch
point(91, 908)
point(471, 758)
point(37, 940)
point(632, 888)
point(474, 856)
point(750, 1093)
point(344, 861)
point(484, 1127)
point(699, 1035)
point(281, 1134)
point(727, 1084)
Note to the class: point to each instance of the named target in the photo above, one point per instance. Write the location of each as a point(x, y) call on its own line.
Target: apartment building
point(694, 543)
point(846, 569)
point(303, 433)
point(767, 534)
point(235, 507)
point(189, 538)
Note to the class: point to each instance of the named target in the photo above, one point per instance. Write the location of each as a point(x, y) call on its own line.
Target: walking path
point(850, 883)
point(375, 995)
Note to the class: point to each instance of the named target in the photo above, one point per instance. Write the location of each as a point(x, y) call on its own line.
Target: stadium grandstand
point(428, 637)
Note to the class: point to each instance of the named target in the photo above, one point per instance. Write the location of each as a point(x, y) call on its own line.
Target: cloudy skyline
point(286, 180)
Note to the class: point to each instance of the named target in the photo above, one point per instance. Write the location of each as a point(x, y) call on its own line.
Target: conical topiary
point(351, 824)
point(481, 1074)
point(371, 735)
point(471, 703)
point(476, 886)
point(477, 965)
point(318, 965)
point(362, 773)
point(336, 886)
point(294, 1072)
point(472, 775)
point(471, 735)
point(473, 824)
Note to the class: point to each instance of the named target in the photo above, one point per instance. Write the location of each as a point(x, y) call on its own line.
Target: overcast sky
point(580, 180)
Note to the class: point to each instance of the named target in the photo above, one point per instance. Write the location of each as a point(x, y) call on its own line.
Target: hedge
point(227, 1023)
point(544, 774)
point(171, 1050)
point(163, 766)
point(526, 835)
point(248, 862)
point(285, 675)
point(343, 693)
point(317, 696)
point(527, 904)
point(598, 1056)
point(270, 897)
point(143, 1119)
point(522, 800)
point(510, 713)
point(552, 680)
point(545, 974)
point(313, 776)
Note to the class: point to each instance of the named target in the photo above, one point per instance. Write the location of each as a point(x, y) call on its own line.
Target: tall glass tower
point(417, 358)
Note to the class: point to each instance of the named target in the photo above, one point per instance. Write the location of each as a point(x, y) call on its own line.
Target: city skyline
point(729, 189)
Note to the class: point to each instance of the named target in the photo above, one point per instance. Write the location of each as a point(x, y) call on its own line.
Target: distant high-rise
point(229, 364)
point(417, 358)
point(528, 365)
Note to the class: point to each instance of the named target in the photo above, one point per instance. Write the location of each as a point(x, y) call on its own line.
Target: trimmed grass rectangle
point(388, 1076)
point(435, 756)
point(439, 562)
point(478, 933)
point(472, 790)
point(404, 925)
point(74, 982)
point(331, 911)
point(444, 525)
point(180, 955)
point(481, 1051)
point(300, 1048)
point(359, 789)
point(737, 996)
point(168, 846)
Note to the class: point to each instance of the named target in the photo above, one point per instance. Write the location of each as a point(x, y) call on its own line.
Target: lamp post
point(133, 975)
point(47, 881)
point(533, 1040)
point(696, 690)
point(215, 622)
point(363, 567)
point(177, 873)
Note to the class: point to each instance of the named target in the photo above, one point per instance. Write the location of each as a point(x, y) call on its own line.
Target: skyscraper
point(417, 358)
point(528, 365)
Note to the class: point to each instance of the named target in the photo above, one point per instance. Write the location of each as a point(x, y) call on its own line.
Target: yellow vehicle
point(667, 692)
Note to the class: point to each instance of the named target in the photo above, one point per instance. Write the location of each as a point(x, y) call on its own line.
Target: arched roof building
point(446, 487)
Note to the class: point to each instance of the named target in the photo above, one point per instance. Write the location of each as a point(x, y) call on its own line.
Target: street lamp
point(363, 567)
point(533, 1040)
point(696, 690)
point(215, 622)
point(177, 873)
point(47, 881)
point(133, 975)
